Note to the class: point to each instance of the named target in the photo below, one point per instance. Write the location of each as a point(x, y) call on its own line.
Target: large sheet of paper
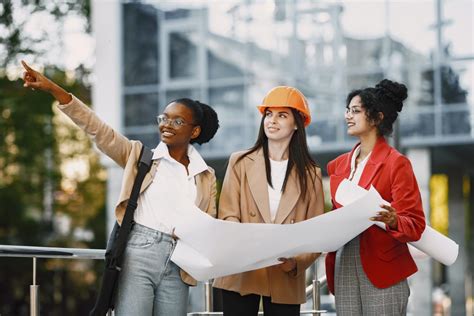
point(432, 243)
point(209, 248)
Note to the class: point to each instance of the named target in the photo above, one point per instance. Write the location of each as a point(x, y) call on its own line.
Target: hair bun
point(395, 91)
point(209, 124)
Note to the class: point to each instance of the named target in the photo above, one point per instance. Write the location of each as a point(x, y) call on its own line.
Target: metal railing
point(312, 291)
point(47, 252)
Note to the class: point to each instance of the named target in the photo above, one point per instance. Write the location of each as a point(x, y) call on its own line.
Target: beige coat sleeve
point(108, 140)
point(315, 208)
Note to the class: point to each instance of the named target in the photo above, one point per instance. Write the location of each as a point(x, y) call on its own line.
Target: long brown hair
point(298, 152)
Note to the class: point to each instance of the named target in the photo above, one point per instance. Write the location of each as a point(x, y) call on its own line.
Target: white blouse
point(172, 182)
point(278, 176)
point(356, 171)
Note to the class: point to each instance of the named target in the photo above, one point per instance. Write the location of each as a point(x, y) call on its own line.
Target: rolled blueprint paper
point(432, 243)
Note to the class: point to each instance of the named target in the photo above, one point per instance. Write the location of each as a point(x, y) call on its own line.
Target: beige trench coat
point(244, 198)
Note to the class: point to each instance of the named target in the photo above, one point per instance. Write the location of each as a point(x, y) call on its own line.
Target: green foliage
point(15, 42)
point(22, 171)
point(37, 146)
point(30, 127)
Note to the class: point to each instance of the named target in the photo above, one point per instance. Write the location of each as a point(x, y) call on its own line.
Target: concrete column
point(457, 232)
point(107, 87)
point(421, 283)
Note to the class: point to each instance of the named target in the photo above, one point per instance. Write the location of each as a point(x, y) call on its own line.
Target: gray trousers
point(356, 295)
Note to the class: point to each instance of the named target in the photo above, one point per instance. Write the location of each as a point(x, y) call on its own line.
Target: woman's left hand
point(388, 216)
point(288, 264)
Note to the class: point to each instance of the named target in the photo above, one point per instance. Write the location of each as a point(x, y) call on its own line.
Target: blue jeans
point(150, 283)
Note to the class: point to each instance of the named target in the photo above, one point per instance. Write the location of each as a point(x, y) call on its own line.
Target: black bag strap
point(144, 165)
point(115, 248)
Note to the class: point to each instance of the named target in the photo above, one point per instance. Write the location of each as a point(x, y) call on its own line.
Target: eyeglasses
point(175, 123)
point(353, 111)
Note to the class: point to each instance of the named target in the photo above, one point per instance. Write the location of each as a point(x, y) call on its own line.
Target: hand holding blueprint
point(432, 243)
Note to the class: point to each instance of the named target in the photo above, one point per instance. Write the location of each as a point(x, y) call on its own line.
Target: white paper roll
point(432, 243)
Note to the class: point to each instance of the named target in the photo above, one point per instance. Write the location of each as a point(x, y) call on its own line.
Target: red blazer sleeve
point(406, 200)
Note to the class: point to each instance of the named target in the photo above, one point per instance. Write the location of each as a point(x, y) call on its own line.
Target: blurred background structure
point(229, 54)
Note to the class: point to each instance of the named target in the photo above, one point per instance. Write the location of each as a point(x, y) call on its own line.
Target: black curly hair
point(204, 116)
point(387, 98)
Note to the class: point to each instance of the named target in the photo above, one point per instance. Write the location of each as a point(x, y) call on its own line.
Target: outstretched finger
point(28, 68)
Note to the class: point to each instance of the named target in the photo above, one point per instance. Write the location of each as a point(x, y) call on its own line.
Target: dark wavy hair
point(299, 156)
point(387, 98)
point(204, 116)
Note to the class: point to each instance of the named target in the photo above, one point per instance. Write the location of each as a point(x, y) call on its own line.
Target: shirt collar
point(196, 162)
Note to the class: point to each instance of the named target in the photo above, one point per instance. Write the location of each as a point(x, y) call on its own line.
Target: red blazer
point(384, 254)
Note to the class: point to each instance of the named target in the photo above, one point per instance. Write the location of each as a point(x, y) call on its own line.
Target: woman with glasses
point(275, 182)
point(150, 284)
point(368, 275)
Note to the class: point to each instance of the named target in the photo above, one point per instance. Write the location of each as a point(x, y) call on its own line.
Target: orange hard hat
point(286, 97)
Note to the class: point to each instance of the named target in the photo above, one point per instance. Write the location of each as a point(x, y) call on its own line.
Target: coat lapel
point(289, 197)
point(201, 191)
point(255, 164)
point(150, 175)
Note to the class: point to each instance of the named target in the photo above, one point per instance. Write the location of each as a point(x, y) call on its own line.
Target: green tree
point(15, 15)
point(37, 148)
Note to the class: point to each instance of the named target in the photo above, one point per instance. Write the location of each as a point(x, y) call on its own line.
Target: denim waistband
point(156, 234)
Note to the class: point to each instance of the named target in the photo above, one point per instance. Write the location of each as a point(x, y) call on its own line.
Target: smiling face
point(357, 122)
point(279, 124)
point(175, 134)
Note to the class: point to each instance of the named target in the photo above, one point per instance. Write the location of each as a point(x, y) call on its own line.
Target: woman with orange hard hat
point(276, 181)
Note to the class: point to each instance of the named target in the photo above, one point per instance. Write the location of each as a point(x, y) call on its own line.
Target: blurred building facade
point(150, 53)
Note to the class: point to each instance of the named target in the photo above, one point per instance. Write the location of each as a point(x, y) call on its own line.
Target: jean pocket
point(138, 240)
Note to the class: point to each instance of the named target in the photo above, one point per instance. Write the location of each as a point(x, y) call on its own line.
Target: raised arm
point(108, 140)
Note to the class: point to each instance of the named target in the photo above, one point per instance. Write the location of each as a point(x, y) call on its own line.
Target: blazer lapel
point(289, 198)
point(379, 154)
point(258, 183)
